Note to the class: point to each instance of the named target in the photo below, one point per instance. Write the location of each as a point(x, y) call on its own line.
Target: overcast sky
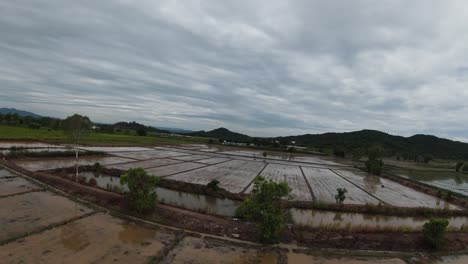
point(263, 68)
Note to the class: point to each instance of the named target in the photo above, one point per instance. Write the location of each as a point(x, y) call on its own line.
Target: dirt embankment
point(221, 226)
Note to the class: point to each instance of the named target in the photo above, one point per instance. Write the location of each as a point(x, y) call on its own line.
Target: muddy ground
point(44, 227)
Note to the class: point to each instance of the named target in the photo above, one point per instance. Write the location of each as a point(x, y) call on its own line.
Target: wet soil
point(95, 239)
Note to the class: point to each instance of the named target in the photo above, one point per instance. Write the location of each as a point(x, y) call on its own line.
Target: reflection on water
point(324, 219)
point(198, 202)
point(371, 183)
point(73, 237)
point(311, 218)
point(195, 202)
point(448, 180)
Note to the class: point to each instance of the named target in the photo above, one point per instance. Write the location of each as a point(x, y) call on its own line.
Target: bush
point(459, 166)
point(374, 166)
point(357, 154)
point(264, 208)
point(341, 195)
point(465, 169)
point(92, 182)
point(97, 167)
point(339, 152)
point(141, 132)
point(434, 231)
point(141, 196)
point(213, 185)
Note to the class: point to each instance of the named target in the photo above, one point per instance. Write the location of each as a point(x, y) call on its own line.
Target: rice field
point(174, 168)
point(144, 155)
point(212, 160)
point(234, 175)
point(115, 149)
point(20, 144)
point(310, 177)
point(324, 183)
point(392, 192)
point(48, 164)
point(143, 164)
point(290, 174)
point(192, 157)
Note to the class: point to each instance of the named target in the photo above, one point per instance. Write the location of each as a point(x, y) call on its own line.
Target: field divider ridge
point(308, 184)
point(251, 182)
point(359, 187)
point(207, 165)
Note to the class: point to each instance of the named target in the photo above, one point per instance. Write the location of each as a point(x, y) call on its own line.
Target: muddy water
point(310, 218)
point(326, 219)
point(195, 202)
point(448, 180)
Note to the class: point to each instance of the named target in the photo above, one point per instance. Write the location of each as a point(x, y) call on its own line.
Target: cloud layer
point(260, 67)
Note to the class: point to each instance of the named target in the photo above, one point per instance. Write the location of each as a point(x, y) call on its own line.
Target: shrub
point(141, 132)
point(339, 152)
point(459, 166)
point(264, 208)
point(341, 195)
point(97, 167)
point(214, 185)
point(434, 231)
point(374, 166)
point(92, 182)
point(357, 154)
point(465, 169)
point(265, 154)
point(141, 196)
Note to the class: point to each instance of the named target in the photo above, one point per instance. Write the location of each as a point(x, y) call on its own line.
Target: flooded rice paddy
point(448, 180)
point(304, 217)
point(310, 177)
point(51, 163)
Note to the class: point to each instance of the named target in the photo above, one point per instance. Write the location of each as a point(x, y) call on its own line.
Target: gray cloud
point(259, 67)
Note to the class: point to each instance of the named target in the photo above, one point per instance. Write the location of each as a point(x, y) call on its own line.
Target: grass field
point(22, 133)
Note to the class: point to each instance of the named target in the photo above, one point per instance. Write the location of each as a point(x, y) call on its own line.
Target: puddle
point(133, 234)
point(73, 237)
point(297, 258)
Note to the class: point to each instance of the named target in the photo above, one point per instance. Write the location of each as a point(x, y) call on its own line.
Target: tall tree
point(76, 127)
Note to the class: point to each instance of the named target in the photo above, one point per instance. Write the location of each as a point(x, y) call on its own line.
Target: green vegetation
point(265, 208)
point(214, 185)
point(76, 127)
point(374, 164)
point(93, 138)
point(434, 231)
point(459, 166)
point(341, 195)
point(141, 196)
point(21, 153)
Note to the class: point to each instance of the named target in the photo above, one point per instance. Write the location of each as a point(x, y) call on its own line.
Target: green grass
point(22, 133)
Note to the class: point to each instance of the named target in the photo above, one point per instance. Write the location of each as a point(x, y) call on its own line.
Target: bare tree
point(76, 127)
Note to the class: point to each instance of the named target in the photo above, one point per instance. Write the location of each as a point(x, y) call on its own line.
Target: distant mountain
point(20, 113)
point(224, 134)
point(134, 126)
point(348, 141)
point(393, 145)
point(176, 130)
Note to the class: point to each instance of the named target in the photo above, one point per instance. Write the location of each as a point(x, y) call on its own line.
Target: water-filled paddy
point(448, 180)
